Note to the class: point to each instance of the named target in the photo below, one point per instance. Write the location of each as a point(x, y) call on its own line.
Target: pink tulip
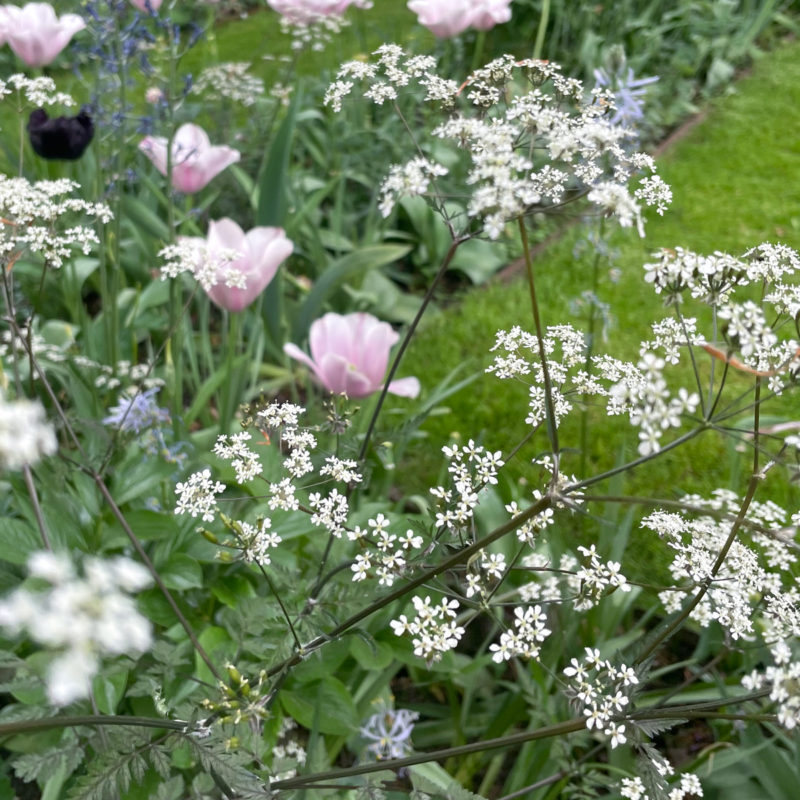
point(446, 18)
point(349, 355)
point(489, 13)
point(303, 11)
point(195, 161)
point(142, 5)
point(35, 33)
point(262, 250)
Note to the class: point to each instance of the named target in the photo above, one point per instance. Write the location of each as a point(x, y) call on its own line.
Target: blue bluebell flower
point(138, 412)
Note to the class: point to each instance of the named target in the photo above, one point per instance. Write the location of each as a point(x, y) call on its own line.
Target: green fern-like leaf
point(225, 768)
point(42, 766)
point(111, 772)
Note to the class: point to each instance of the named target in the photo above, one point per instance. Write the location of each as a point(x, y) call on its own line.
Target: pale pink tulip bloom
point(35, 33)
point(142, 5)
point(262, 251)
point(446, 18)
point(303, 11)
point(489, 13)
point(350, 353)
point(195, 161)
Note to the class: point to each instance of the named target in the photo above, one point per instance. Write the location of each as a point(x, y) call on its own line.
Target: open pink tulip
point(446, 18)
point(142, 5)
point(195, 161)
point(350, 353)
point(489, 13)
point(35, 33)
point(262, 251)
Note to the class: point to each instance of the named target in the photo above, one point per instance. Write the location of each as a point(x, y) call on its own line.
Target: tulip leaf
point(271, 208)
point(143, 216)
point(210, 385)
point(337, 273)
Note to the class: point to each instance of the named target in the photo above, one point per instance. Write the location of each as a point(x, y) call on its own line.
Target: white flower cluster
point(637, 390)
point(243, 460)
point(529, 529)
point(434, 630)
point(408, 180)
point(523, 642)
point(555, 581)
point(603, 691)
point(783, 680)
point(389, 556)
point(524, 155)
point(84, 618)
point(210, 267)
point(744, 593)
point(230, 80)
point(285, 417)
point(714, 280)
point(651, 406)
point(35, 220)
point(25, 434)
point(309, 28)
point(634, 788)
point(36, 91)
point(257, 540)
point(198, 496)
point(391, 71)
point(471, 468)
point(596, 579)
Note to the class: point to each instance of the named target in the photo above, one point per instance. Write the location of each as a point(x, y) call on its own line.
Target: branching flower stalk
point(552, 426)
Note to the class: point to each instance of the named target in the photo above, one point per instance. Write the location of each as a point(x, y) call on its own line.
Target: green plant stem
point(690, 711)
point(457, 558)
point(37, 509)
point(560, 775)
point(407, 339)
point(552, 425)
point(584, 434)
point(541, 30)
point(229, 389)
point(575, 487)
point(137, 545)
point(53, 723)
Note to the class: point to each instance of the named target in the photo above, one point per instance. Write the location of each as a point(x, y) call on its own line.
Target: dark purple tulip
point(62, 138)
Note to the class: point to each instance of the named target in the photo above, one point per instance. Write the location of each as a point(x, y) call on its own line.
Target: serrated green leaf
point(19, 540)
point(433, 779)
point(181, 572)
point(326, 703)
point(370, 653)
point(108, 690)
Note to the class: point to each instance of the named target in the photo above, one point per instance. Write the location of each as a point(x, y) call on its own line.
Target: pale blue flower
point(389, 732)
point(137, 412)
point(628, 93)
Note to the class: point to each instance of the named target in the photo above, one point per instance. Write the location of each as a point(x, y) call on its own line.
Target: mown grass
point(733, 177)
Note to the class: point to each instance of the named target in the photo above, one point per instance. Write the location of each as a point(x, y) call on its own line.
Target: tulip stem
point(229, 390)
point(457, 241)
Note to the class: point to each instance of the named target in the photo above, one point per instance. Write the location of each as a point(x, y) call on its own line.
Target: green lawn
point(735, 181)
